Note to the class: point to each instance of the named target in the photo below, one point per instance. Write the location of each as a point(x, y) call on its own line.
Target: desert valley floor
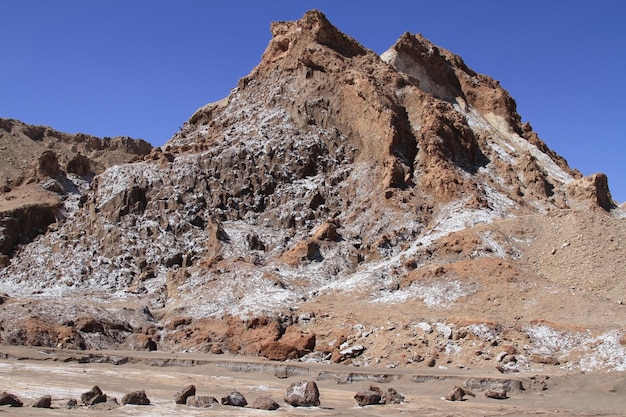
point(31, 373)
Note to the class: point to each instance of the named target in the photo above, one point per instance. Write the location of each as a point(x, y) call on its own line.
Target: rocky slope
point(339, 205)
point(44, 172)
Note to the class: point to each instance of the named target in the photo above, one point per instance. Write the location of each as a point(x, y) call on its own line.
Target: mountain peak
point(312, 28)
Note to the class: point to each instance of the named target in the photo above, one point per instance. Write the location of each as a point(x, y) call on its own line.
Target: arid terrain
point(338, 213)
point(59, 373)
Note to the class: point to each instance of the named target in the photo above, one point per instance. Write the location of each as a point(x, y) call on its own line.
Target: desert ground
point(31, 373)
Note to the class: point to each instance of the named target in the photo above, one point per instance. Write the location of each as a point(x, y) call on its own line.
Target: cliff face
point(332, 192)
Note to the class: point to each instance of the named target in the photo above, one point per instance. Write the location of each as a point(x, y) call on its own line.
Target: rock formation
point(335, 199)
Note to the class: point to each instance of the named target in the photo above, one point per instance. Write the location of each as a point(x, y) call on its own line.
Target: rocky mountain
point(344, 206)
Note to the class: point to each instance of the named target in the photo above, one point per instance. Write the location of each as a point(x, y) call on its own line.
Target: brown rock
point(458, 393)
point(234, 399)
point(303, 394)
point(79, 165)
point(71, 404)
point(10, 400)
point(136, 398)
point(182, 395)
point(367, 397)
point(93, 396)
point(498, 395)
point(43, 402)
point(293, 344)
point(202, 401)
point(391, 396)
point(265, 403)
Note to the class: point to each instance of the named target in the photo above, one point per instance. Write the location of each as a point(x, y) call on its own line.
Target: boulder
point(202, 401)
point(265, 403)
point(367, 397)
point(135, 398)
point(43, 402)
point(458, 393)
point(182, 395)
point(391, 396)
point(497, 395)
point(235, 399)
point(93, 396)
point(10, 399)
point(71, 404)
point(303, 394)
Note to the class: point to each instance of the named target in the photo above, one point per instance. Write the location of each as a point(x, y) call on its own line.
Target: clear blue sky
point(140, 68)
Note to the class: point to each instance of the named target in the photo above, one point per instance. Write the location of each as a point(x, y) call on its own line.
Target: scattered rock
point(235, 399)
point(182, 395)
point(43, 402)
point(93, 396)
point(368, 397)
point(303, 394)
point(202, 401)
point(498, 395)
point(265, 403)
point(135, 398)
point(10, 399)
point(71, 404)
point(458, 393)
point(391, 396)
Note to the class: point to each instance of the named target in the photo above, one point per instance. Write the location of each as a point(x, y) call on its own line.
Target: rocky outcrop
point(44, 172)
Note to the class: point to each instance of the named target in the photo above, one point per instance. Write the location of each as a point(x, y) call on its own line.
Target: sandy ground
point(30, 373)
